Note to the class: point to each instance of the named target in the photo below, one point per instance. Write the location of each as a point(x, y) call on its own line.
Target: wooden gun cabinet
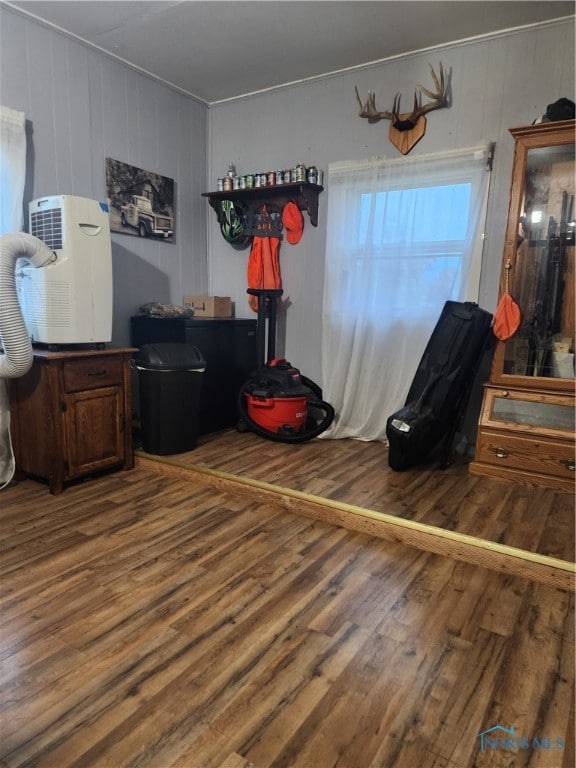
point(526, 431)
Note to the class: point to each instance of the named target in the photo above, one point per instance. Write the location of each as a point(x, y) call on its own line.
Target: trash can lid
point(170, 356)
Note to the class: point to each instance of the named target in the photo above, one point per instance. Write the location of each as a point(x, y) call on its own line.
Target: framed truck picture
point(141, 202)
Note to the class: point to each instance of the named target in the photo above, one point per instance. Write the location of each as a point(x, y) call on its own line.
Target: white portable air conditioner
point(70, 300)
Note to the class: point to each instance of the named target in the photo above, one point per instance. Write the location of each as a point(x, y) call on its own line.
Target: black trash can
point(170, 382)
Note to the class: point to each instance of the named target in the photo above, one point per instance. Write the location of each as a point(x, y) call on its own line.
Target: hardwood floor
point(504, 525)
point(148, 621)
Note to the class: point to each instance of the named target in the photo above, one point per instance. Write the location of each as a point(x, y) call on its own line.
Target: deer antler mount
point(407, 128)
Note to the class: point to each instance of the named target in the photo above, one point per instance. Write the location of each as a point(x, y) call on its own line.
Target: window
point(12, 169)
point(436, 236)
point(404, 236)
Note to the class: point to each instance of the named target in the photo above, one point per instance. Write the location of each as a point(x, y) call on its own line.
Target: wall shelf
point(303, 194)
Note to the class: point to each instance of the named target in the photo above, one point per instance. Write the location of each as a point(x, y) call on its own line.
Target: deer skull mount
point(407, 128)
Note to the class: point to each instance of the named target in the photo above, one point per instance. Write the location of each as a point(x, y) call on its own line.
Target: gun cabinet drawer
point(532, 454)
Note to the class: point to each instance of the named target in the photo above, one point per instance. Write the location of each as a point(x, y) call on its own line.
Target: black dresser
point(228, 345)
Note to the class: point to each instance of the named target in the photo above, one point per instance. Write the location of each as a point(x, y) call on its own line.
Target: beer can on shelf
point(300, 172)
point(312, 175)
point(227, 184)
point(271, 178)
point(219, 185)
point(249, 180)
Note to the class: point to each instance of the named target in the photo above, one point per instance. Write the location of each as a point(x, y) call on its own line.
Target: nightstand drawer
point(531, 454)
point(92, 373)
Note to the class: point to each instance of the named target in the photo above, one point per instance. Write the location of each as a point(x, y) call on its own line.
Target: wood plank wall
point(83, 106)
point(495, 83)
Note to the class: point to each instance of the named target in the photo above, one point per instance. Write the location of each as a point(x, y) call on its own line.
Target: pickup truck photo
point(139, 214)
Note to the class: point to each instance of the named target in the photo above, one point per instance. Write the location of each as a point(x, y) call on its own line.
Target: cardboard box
point(209, 306)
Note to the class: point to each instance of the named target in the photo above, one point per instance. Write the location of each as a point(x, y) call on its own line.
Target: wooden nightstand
point(71, 415)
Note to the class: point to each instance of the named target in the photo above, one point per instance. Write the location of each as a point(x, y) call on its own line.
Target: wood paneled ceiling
point(216, 50)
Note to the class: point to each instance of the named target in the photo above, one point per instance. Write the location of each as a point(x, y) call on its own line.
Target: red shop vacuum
point(278, 402)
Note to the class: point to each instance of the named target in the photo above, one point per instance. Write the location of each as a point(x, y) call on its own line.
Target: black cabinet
point(229, 347)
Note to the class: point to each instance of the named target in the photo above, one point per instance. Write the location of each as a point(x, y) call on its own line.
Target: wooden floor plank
point(188, 628)
point(442, 541)
point(357, 472)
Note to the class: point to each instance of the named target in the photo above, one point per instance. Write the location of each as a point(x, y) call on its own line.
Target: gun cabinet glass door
point(538, 264)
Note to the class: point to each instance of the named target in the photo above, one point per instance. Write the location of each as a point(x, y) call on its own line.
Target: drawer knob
point(569, 464)
point(505, 393)
point(500, 453)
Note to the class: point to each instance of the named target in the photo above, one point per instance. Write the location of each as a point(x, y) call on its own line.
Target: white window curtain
point(12, 169)
point(404, 236)
point(12, 179)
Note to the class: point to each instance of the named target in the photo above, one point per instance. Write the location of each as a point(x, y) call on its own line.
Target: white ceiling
point(221, 49)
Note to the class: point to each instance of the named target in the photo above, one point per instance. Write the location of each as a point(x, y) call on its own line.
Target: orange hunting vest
point(263, 266)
